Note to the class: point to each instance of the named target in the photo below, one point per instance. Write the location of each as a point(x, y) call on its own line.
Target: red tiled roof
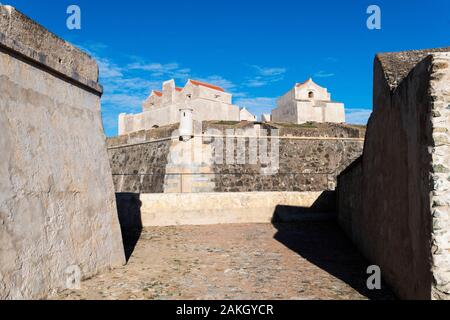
point(179, 89)
point(211, 86)
point(157, 93)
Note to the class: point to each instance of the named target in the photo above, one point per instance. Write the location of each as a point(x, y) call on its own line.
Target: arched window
point(311, 95)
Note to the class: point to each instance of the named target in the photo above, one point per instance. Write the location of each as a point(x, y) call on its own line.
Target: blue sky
point(255, 49)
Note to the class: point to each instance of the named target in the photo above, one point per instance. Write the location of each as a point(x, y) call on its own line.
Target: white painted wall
point(207, 104)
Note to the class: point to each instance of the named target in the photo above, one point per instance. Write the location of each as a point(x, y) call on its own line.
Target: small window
point(311, 95)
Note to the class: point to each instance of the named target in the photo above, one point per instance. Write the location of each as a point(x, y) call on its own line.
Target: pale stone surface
point(32, 41)
point(266, 117)
point(57, 206)
point(302, 261)
point(440, 197)
point(207, 101)
point(223, 208)
point(246, 115)
point(308, 102)
point(394, 202)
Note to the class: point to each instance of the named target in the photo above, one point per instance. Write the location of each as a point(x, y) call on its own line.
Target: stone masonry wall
point(400, 220)
point(310, 163)
point(57, 205)
point(349, 196)
point(140, 168)
point(440, 176)
point(304, 165)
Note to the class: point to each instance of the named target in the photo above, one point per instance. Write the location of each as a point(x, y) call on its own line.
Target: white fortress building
point(201, 101)
point(306, 102)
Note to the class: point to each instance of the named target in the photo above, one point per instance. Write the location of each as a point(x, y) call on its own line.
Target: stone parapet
point(30, 41)
point(223, 208)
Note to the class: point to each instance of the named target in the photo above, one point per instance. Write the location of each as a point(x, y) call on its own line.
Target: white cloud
point(129, 84)
point(257, 82)
point(357, 116)
point(323, 74)
point(159, 70)
point(265, 75)
point(269, 72)
point(108, 69)
point(123, 101)
point(154, 67)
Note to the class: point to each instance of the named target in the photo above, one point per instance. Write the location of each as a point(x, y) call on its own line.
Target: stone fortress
point(306, 102)
point(310, 128)
point(59, 214)
point(204, 100)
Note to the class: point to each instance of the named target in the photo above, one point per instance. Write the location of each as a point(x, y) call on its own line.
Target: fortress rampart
point(310, 158)
point(58, 217)
point(394, 201)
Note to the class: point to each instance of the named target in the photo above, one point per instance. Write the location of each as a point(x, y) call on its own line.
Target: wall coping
point(176, 138)
point(30, 42)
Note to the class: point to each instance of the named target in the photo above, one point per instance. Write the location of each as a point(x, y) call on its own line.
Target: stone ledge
point(32, 43)
point(397, 65)
point(147, 210)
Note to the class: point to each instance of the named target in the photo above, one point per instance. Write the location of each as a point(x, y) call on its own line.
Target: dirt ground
point(309, 260)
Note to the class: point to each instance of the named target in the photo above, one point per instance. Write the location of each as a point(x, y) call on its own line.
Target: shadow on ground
point(325, 245)
point(129, 212)
point(314, 234)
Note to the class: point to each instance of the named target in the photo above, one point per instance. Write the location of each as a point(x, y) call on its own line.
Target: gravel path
point(309, 260)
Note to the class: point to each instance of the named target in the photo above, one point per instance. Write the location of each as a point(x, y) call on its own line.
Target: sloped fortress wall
point(394, 202)
point(57, 205)
point(310, 158)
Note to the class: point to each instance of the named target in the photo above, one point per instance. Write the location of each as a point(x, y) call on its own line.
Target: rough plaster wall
point(57, 205)
point(349, 197)
point(224, 208)
point(287, 112)
point(307, 111)
point(402, 223)
point(440, 196)
point(395, 185)
point(335, 112)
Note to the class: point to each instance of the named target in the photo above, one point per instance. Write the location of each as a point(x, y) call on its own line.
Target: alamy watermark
point(73, 21)
point(73, 277)
point(374, 280)
point(374, 20)
point(231, 147)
